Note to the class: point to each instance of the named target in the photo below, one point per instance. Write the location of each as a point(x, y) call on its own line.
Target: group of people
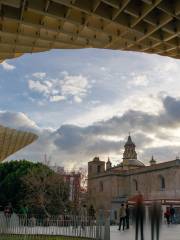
point(138, 216)
point(8, 210)
point(169, 215)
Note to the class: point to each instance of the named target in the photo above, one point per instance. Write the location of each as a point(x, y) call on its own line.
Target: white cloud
point(40, 87)
point(57, 98)
point(64, 73)
point(39, 75)
point(76, 86)
point(77, 99)
point(140, 80)
point(71, 86)
point(17, 120)
point(103, 69)
point(168, 66)
point(8, 67)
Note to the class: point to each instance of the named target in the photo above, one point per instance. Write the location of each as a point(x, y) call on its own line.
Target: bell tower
point(129, 151)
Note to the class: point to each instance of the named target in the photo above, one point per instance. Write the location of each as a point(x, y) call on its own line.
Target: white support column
point(106, 224)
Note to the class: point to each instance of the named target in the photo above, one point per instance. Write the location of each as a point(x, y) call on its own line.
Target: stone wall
point(161, 181)
point(156, 183)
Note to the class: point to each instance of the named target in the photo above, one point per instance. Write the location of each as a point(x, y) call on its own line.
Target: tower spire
point(108, 164)
point(129, 149)
point(152, 161)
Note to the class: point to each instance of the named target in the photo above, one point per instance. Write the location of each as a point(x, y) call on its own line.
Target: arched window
point(98, 168)
point(162, 182)
point(135, 185)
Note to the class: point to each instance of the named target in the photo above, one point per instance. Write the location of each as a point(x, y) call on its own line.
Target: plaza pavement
point(171, 232)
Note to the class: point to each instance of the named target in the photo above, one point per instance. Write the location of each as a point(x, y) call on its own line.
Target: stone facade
point(109, 186)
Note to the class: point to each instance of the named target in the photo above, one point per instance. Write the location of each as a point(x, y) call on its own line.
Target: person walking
point(139, 216)
point(172, 214)
point(127, 216)
point(167, 215)
point(155, 219)
point(122, 216)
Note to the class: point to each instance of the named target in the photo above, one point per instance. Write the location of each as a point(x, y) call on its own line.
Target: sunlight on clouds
point(139, 102)
point(17, 120)
point(164, 137)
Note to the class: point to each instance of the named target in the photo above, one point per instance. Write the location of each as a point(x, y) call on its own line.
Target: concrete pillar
point(106, 224)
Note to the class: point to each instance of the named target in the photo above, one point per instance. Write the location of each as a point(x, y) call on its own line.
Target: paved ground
point(167, 233)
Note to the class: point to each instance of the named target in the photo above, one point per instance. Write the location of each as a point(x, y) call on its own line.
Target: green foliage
point(24, 183)
point(11, 187)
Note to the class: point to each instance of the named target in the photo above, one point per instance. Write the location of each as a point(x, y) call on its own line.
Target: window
point(90, 169)
point(135, 185)
point(161, 182)
point(98, 168)
point(101, 187)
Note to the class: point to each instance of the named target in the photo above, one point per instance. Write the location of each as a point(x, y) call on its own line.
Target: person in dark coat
point(155, 219)
point(172, 214)
point(139, 217)
point(122, 216)
point(127, 216)
point(167, 215)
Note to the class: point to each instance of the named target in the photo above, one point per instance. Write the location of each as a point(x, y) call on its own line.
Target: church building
point(109, 186)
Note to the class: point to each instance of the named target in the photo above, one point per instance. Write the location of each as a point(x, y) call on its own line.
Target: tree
point(34, 185)
point(47, 192)
point(11, 186)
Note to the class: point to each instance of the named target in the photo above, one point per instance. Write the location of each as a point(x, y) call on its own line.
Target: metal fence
point(36, 227)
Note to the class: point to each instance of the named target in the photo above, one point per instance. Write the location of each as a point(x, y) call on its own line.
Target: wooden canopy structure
point(151, 26)
point(12, 140)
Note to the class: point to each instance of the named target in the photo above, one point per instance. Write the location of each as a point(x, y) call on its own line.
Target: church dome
point(134, 163)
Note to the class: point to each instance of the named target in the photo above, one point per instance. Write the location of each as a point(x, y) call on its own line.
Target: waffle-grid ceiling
point(151, 26)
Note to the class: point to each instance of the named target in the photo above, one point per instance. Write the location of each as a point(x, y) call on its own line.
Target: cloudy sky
point(83, 103)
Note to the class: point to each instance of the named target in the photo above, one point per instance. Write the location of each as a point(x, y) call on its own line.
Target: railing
point(34, 227)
